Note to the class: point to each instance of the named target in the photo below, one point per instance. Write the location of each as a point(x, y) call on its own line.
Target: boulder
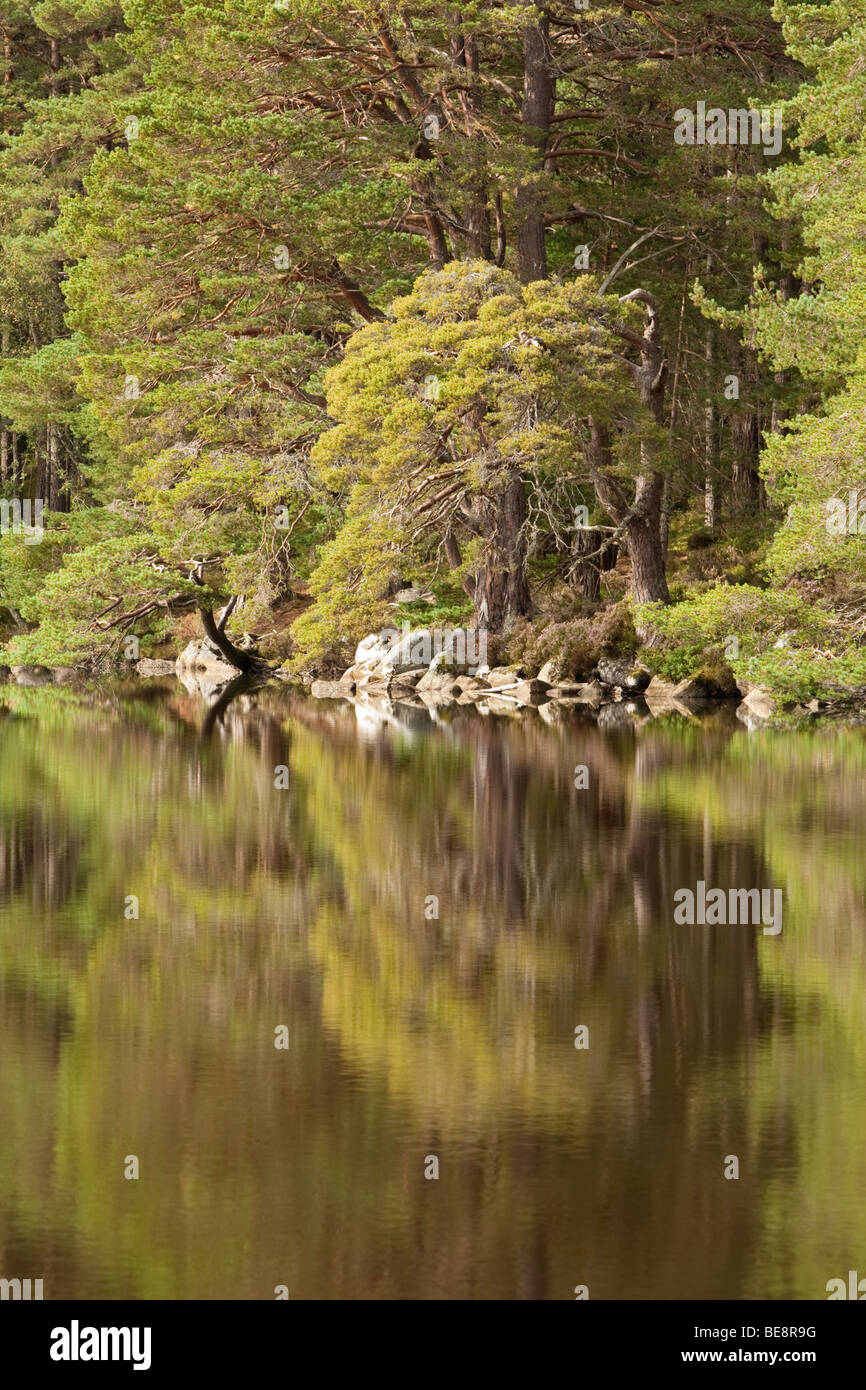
point(592, 693)
point(31, 675)
point(702, 689)
point(203, 656)
point(691, 694)
point(410, 651)
point(494, 703)
point(533, 692)
point(615, 716)
point(471, 685)
point(375, 647)
point(413, 595)
point(462, 651)
point(568, 690)
point(434, 679)
point(661, 698)
point(407, 680)
point(758, 703)
point(505, 675)
point(551, 671)
point(65, 675)
point(389, 653)
point(624, 674)
point(445, 693)
point(660, 689)
point(149, 666)
point(331, 690)
point(374, 685)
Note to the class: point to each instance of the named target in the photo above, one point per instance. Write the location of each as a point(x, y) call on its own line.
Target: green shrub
point(575, 642)
point(770, 637)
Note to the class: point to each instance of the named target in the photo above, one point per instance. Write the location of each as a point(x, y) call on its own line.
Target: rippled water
point(410, 1036)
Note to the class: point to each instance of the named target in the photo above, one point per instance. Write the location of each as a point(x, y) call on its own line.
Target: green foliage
point(816, 464)
point(772, 637)
point(91, 595)
point(473, 378)
point(233, 254)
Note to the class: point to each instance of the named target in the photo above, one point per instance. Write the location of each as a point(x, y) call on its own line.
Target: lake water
point(310, 907)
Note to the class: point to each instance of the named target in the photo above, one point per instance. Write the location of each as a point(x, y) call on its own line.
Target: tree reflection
point(414, 1034)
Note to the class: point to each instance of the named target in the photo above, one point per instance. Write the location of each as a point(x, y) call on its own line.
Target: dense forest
point(544, 319)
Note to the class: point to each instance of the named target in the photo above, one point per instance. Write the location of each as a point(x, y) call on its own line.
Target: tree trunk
point(502, 588)
point(789, 289)
point(586, 572)
point(464, 54)
point(243, 661)
point(538, 91)
point(52, 468)
point(709, 501)
point(746, 483)
point(665, 524)
point(4, 432)
point(711, 459)
point(675, 401)
point(644, 530)
point(641, 519)
point(645, 547)
point(455, 560)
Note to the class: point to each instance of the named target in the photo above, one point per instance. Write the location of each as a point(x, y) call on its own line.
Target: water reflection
point(411, 1034)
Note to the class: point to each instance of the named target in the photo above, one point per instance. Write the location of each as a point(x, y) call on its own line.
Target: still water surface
point(413, 1036)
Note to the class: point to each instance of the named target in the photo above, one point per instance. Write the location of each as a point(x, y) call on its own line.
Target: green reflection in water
point(411, 1036)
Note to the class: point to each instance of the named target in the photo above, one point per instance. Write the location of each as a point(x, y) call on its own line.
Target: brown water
point(412, 1036)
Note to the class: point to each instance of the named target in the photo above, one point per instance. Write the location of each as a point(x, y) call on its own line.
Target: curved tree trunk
point(215, 631)
point(243, 661)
